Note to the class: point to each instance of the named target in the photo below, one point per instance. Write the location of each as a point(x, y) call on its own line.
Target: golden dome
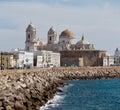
point(67, 33)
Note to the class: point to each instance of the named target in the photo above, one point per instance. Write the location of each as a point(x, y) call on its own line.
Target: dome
point(39, 43)
point(51, 30)
point(82, 41)
point(31, 27)
point(67, 33)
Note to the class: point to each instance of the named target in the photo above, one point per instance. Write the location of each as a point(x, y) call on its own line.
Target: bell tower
point(52, 36)
point(30, 43)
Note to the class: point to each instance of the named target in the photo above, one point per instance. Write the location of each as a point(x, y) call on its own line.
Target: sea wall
point(30, 89)
point(90, 57)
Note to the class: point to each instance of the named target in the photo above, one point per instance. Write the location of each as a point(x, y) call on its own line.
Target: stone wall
point(72, 61)
point(90, 57)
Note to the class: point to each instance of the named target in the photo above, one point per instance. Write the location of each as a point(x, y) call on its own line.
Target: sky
point(98, 20)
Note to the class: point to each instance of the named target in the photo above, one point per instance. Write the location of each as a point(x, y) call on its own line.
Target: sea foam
point(57, 99)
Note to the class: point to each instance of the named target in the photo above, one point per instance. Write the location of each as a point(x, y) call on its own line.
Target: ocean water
point(103, 94)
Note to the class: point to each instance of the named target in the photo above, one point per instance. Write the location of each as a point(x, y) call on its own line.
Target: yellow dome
point(67, 33)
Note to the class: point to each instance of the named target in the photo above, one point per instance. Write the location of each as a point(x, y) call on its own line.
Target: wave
point(53, 102)
point(57, 100)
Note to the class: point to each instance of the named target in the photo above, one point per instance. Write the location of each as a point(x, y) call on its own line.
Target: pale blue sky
point(98, 20)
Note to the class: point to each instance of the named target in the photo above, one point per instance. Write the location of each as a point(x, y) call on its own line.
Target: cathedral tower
point(31, 43)
point(52, 36)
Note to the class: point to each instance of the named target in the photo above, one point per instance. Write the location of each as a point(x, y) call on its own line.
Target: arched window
point(50, 38)
point(28, 36)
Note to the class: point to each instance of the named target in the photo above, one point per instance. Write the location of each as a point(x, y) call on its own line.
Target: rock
point(18, 106)
point(8, 107)
point(0, 104)
point(29, 89)
point(59, 90)
point(23, 85)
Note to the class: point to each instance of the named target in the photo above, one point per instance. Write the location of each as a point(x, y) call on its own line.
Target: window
point(50, 38)
point(28, 36)
point(27, 48)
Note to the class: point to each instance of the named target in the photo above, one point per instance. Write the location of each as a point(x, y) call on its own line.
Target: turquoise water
point(101, 94)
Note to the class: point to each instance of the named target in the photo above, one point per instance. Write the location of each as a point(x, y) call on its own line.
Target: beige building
point(7, 60)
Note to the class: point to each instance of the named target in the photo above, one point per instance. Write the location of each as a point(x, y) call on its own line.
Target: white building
point(38, 59)
point(55, 59)
point(45, 58)
point(50, 59)
point(24, 59)
point(108, 61)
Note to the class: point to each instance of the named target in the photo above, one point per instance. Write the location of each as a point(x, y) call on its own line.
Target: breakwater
point(32, 88)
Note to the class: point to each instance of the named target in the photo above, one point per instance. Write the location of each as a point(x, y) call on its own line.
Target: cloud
point(99, 23)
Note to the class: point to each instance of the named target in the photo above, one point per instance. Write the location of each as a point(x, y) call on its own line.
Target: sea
point(98, 94)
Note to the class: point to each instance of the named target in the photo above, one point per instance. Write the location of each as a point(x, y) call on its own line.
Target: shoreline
point(32, 88)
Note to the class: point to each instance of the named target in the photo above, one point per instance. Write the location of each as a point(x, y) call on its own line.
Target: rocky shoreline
point(30, 89)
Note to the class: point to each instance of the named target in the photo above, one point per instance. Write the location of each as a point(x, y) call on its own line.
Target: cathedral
point(72, 53)
point(67, 41)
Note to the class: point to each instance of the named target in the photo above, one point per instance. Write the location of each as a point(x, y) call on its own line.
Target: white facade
point(50, 59)
point(55, 59)
point(39, 61)
point(28, 61)
point(23, 59)
point(12, 61)
point(108, 61)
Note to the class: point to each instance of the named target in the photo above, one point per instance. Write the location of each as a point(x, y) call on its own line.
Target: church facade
point(67, 41)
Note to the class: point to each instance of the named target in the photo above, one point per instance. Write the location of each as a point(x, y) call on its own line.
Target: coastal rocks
point(32, 88)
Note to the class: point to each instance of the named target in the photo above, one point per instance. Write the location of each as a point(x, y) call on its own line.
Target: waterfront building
point(7, 60)
point(50, 59)
point(38, 58)
point(39, 61)
point(109, 61)
point(45, 58)
point(23, 59)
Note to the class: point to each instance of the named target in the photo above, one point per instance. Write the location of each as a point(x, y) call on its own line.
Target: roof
point(82, 41)
point(67, 33)
point(52, 31)
point(31, 27)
